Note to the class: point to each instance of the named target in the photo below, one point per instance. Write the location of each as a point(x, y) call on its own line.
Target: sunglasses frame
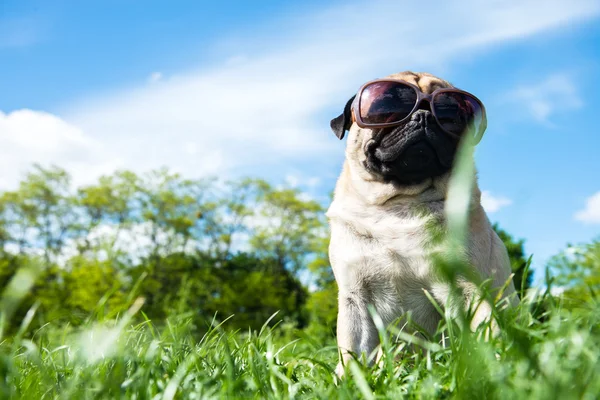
point(420, 97)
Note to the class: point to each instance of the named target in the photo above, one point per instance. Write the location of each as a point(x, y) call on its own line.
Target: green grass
point(555, 355)
point(545, 351)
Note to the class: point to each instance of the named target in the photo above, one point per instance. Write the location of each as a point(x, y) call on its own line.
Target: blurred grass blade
point(361, 381)
point(16, 290)
point(460, 189)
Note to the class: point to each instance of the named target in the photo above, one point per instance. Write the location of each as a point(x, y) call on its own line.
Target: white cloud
point(313, 182)
point(591, 213)
point(28, 137)
point(292, 180)
point(492, 203)
point(557, 290)
point(557, 93)
point(155, 77)
point(297, 180)
point(265, 106)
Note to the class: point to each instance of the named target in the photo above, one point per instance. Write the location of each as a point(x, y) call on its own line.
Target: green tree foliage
point(199, 246)
point(518, 261)
point(322, 305)
point(242, 291)
point(285, 226)
point(39, 215)
point(202, 247)
point(577, 271)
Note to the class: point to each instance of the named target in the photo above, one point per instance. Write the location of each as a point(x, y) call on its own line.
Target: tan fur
point(381, 246)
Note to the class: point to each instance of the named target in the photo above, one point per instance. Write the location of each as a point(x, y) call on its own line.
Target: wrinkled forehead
point(426, 82)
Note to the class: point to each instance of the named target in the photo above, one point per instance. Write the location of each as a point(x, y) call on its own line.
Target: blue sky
point(235, 87)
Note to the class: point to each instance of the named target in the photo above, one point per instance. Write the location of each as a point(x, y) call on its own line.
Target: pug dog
point(403, 134)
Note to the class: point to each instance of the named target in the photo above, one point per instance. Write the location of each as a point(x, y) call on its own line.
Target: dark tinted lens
point(457, 112)
point(386, 102)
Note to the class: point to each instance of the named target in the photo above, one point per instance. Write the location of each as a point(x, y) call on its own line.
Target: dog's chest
point(390, 251)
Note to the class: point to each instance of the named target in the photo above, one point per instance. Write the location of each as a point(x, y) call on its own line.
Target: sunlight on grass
point(558, 360)
point(545, 350)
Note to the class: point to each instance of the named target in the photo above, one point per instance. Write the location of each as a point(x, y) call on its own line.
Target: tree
point(244, 285)
point(225, 217)
point(518, 261)
point(577, 270)
point(255, 288)
point(322, 304)
point(286, 226)
point(110, 202)
point(5, 236)
point(40, 213)
point(192, 246)
point(86, 282)
point(167, 209)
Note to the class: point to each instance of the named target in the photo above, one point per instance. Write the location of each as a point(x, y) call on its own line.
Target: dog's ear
point(343, 122)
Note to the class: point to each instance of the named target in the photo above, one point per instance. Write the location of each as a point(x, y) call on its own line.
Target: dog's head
point(410, 155)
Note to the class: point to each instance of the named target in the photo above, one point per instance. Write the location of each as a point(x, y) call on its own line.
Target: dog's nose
point(417, 157)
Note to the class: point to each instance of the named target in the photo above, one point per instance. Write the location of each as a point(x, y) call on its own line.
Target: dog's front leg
point(356, 331)
point(472, 303)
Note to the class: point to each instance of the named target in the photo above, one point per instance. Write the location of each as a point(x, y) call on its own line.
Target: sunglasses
point(384, 103)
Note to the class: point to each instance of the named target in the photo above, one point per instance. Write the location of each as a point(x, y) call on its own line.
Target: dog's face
point(410, 155)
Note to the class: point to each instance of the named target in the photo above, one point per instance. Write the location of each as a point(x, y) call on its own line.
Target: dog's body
point(382, 243)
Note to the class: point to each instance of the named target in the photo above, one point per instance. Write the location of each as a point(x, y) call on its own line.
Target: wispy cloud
point(28, 136)
point(155, 77)
point(556, 94)
point(19, 32)
point(590, 214)
point(492, 203)
point(266, 106)
point(299, 180)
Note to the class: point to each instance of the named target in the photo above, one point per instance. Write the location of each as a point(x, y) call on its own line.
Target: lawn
point(545, 351)
point(548, 348)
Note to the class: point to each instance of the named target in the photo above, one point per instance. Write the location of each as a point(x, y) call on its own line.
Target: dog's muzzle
point(411, 152)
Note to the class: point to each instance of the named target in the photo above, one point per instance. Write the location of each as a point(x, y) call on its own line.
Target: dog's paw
point(339, 371)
